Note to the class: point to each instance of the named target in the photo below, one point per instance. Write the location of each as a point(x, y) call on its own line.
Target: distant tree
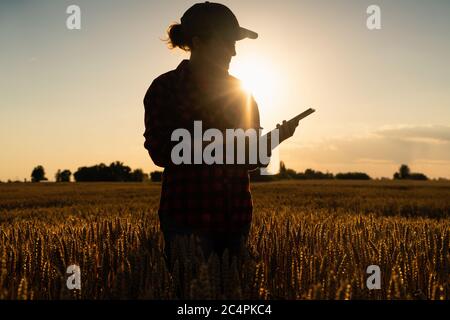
point(58, 176)
point(404, 171)
point(353, 176)
point(291, 173)
point(119, 171)
point(63, 176)
point(116, 171)
point(283, 171)
point(156, 176)
point(138, 175)
point(38, 174)
point(312, 174)
point(95, 173)
point(417, 176)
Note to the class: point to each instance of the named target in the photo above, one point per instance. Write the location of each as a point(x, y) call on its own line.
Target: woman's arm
point(158, 123)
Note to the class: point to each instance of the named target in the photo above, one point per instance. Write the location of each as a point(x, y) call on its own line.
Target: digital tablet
point(302, 115)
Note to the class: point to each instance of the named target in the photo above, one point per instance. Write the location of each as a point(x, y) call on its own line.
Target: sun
point(258, 78)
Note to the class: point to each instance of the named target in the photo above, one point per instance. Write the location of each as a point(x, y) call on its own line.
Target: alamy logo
point(74, 280)
point(374, 280)
point(374, 19)
point(73, 21)
point(234, 141)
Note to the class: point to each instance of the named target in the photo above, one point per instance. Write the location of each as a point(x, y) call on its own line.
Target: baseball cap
point(208, 17)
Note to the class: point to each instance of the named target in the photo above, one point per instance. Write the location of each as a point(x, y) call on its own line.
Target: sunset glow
point(72, 98)
point(259, 77)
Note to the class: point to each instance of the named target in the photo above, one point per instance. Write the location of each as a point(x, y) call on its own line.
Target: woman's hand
point(286, 129)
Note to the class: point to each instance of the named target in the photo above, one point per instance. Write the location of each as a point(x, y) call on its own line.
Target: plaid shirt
point(199, 198)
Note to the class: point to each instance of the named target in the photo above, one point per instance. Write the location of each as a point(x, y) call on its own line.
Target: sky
point(73, 98)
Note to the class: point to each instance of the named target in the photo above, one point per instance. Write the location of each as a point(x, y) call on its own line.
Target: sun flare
point(258, 78)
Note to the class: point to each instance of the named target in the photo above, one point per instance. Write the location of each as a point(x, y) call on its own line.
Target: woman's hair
point(177, 38)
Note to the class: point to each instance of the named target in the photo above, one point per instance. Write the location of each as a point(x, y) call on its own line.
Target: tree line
point(115, 172)
point(118, 172)
point(310, 174)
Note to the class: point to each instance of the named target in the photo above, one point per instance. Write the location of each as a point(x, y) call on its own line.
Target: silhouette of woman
point(212, 202)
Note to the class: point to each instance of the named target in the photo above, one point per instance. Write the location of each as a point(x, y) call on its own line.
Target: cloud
point(379, 151)
point(436, 134)
point(374, 161)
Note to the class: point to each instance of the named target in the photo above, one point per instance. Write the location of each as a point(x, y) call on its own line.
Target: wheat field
point(309, 240)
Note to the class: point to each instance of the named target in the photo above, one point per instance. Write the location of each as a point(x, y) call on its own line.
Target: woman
point(212, 202)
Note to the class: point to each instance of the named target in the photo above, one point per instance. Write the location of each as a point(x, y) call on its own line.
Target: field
point(309, 240)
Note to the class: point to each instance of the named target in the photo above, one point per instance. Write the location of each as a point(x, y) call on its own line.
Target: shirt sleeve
point(158, 124)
